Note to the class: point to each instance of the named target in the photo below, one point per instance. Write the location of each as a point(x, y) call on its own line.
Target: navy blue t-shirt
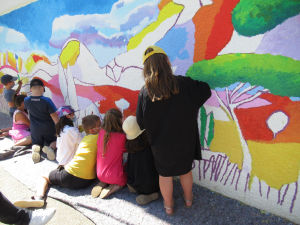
point(39, 110)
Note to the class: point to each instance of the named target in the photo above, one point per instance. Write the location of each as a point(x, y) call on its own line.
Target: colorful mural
point(89, 54)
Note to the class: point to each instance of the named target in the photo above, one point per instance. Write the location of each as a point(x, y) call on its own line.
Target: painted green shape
point(203, 119)
point(210, 129)
point(168, 11)
point(252, 17)
point(279, 74)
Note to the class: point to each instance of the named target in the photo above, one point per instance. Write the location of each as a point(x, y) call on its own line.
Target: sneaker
point(36, 156)
point(97, 189)
point(145, 199)
point(50, 152)
point(109, 190)
point(41, 216)
point(31, 203)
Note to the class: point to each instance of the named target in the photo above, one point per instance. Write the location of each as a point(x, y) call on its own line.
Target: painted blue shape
point(173, 43)
point(295, 98)
point(35, 20)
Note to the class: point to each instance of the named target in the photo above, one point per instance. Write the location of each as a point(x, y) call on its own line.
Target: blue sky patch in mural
point(174, 50)
point(99, 24)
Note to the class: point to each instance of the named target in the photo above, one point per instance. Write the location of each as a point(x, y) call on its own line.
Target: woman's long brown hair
point(159, 79)
point(112, 122)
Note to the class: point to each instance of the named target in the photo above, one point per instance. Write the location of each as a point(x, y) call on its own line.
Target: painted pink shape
point(58, 99)
point(89, 92)
point(213, 101)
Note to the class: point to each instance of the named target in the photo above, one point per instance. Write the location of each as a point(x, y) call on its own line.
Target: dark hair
point(18, 99)
point(36, 82)
point(159, 79)
point(112, 122)
point(137, 144)
point(63, 121)
point(89, 122)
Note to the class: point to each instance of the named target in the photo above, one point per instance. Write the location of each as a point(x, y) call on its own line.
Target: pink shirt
point(110, 167)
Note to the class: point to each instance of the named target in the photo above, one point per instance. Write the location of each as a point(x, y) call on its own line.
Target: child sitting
point(20, 130)
point(68, 136)
point(142, 175)
point(111, 146)
point(42, 114)
point(80, 172)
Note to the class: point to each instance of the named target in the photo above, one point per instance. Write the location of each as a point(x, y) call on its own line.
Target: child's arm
point(54, 117)
point(19, 87)
point(22, 118)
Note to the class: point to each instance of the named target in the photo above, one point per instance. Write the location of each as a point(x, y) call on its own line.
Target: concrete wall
point(88, 53)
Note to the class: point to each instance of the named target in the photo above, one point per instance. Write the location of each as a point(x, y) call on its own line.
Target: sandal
point(31, 203)
point(109, 190)
point(169, 209)
point(98, 189)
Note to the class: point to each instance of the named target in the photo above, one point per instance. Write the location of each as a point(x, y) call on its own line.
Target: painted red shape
point(222, 29)
point(115, 93)
point(36, 58)
point(253, 121)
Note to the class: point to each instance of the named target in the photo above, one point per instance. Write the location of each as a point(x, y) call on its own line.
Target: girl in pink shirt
point(111, 146)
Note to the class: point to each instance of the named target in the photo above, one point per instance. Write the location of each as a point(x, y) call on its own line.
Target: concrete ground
point(14, 190)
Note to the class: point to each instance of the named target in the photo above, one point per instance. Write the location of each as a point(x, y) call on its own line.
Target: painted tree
point(252, 17)
point(258, 70)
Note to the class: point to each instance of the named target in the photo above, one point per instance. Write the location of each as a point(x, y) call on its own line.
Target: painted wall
point(88, 53)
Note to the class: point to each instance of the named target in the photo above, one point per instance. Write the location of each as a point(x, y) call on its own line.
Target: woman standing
point(167, 108)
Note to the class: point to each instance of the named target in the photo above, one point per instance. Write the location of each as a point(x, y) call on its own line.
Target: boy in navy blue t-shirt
point(42, 115)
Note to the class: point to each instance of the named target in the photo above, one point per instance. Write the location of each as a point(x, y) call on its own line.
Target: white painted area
point(277, 122)
point(9, 5)
point(241, 44)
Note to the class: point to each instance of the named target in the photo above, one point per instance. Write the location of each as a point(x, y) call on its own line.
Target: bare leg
point(186, 181)
point(42, 186)
point(166, 188)
point(24, 141)
point(53, 145)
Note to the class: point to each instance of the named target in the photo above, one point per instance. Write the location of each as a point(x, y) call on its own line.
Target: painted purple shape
point(247, 180)
point(234, 175)
point(279, 192)
point(260, 189)
point(227, 165)
point(269, 189)
point(237, 181)
point(283, 39)
point(213, 101)
point(234, 166)
point(182, 65)
point(294, 197)
point(285, 191)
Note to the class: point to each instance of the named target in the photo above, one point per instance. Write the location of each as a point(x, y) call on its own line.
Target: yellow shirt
point(83, 165)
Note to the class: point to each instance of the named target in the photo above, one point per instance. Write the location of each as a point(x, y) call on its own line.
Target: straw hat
point(131, 128)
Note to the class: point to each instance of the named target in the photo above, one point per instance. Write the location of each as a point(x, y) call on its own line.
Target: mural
point(89, 55)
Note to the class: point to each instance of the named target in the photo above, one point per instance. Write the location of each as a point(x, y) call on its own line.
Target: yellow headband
point(155, 50)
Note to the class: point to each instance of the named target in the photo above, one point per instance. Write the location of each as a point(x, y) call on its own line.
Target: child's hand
point(20, 83)
point(80, 128)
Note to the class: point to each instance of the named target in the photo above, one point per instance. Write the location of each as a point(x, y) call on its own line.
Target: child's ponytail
point(63, 121)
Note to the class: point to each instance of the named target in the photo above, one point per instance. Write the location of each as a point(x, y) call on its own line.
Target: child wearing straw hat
point(142, 176)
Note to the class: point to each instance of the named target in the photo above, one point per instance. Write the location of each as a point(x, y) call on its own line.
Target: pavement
point(15, 190)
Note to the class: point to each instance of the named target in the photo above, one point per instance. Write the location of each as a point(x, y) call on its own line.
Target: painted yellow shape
point(20, 64)
point(226, 139)
point(168, 11)
point(277, 164)
point(70, 53)
point(11, 59)
point(29, 64)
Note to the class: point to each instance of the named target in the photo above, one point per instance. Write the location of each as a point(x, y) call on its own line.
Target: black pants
point(10, 214)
